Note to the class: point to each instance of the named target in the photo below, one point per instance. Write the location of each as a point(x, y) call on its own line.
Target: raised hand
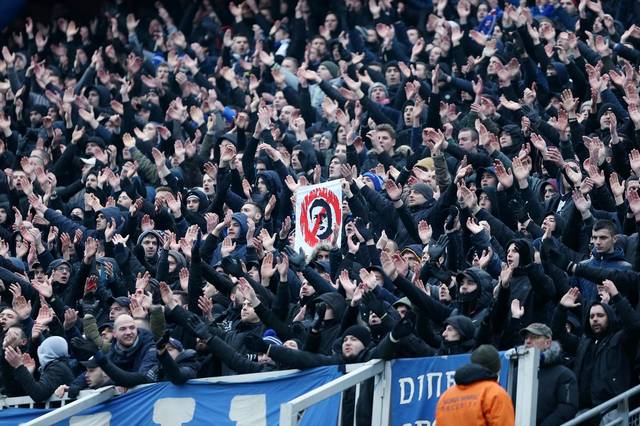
point(517, 310)
point(569, 300)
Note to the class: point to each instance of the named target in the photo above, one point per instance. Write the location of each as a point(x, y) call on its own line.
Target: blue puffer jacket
point(615, 260)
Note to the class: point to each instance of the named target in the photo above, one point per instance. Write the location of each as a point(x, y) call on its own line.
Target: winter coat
point(557, 389)
point(602, 362)
point(476, 399)
point(54, 374)
point(141, 357)
point(614, 260)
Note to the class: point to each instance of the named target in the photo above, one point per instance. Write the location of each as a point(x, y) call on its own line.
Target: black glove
point(254, 343)
point(450, 222)
point(199, 328)
point(363, 230)
point(441, 275)
point(83, 348)
point(404, 327)
point(437, 249)
point(518, 210)
point(556, 257)
point(373, 304)
point(162, 342)
point(89, 304)
point(296, 260)
point(321, 308)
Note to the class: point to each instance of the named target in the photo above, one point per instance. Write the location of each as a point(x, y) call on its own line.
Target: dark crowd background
point(150, 154)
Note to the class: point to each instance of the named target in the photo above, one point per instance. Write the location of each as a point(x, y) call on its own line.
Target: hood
point(152, 232)
point(307, 156)
point(335, 301)
point(525, 250)
point(491, 193)
point(479, 299)
point(479, 276)
point(517, 139)
point(113, 213)
point(463, 325)
point(202, 197)
point(241, 218)
point(471, 373)
point(103, 93)
point(272, 180)
point(558, 82)
point(613, 326)
point(52, 348)
point(181, 262)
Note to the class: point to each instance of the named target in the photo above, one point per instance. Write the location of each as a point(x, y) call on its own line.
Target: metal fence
point(612, 412)
point(523, 369)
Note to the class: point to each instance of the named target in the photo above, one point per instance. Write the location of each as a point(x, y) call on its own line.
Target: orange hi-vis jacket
point(479, 403)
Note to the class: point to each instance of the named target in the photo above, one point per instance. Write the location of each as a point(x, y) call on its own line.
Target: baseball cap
point(90, 363)
point(537, 328)
point(122, 301)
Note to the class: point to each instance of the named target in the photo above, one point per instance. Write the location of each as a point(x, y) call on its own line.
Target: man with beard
point(605, 354)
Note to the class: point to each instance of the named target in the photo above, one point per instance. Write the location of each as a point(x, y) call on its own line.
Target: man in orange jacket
point(477, 398)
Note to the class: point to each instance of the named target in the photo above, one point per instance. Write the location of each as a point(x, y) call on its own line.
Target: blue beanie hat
point(377, 180)
point(270, 337)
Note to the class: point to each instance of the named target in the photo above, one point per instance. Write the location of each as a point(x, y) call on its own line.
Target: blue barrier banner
point(16, 416)
point(197, 403)
point(419, 382)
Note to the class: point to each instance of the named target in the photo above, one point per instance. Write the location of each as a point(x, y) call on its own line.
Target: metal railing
point(523, 368)
point(617, 408)
point(75, 407)
point(375, 368)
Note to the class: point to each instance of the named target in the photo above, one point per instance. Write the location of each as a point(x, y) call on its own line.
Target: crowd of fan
point(490, 164)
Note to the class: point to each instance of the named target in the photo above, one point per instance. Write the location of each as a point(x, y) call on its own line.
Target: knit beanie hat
point(377, 180)
point(488, 357)
point(360, 332)
point(376, 85)
point(332, 67)
point(271, 337)
point(423, 189)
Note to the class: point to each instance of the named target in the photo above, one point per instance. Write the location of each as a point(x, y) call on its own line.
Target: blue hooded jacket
point(240, 251)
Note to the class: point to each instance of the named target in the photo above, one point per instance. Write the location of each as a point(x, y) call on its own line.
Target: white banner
point(318, 212)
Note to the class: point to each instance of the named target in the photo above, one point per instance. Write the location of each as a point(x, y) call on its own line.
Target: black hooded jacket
point(603, 361)
point(530, 285)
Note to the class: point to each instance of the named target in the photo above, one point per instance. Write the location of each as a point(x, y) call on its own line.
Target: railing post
point(527, 387)
point(385, 416)
point(379, 385)
point(623, 410)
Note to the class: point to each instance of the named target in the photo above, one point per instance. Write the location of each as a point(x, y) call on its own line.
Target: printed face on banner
point(318, 213)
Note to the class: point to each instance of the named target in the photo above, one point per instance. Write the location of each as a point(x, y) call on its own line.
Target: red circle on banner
point(318, 200)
